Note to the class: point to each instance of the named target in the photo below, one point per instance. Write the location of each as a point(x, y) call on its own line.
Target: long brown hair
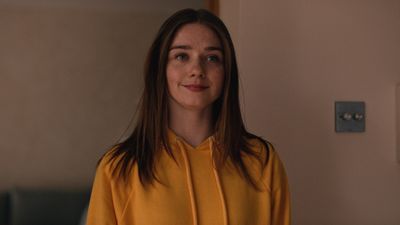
point(150, 132)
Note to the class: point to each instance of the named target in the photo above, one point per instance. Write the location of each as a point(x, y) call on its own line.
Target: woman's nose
point(197, 68)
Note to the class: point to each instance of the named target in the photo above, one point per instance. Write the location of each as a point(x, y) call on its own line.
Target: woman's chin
point(196, 106)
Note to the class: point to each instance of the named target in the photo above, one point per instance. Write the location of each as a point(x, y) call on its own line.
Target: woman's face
point(195, 68)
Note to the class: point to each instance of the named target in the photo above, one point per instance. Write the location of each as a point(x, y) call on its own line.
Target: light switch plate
point(349, 116)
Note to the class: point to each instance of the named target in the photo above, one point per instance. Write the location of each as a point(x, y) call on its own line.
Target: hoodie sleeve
point(280, 192)
point(101, 207)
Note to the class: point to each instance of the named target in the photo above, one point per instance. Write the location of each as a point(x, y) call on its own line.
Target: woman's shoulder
point(108, 163)
point(265, 151)
point(260, 146)
point(274, 173)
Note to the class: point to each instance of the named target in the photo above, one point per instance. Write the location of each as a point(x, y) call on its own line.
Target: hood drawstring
point(189, 183)
point(219, 186)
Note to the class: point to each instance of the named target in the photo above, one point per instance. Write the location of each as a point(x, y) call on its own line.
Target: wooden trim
point(213, 6)
point(398, 120)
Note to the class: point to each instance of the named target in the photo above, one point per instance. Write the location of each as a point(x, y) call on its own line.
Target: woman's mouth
point(195, 87)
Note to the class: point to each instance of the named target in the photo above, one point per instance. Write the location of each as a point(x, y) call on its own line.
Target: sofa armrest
point(4, 208)
point(47, 207)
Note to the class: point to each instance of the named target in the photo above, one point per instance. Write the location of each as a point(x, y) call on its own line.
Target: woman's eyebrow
point(180, 47)
point(213, 48)
point(186, 47)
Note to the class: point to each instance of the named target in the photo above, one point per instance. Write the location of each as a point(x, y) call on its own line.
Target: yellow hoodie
point(192, 192)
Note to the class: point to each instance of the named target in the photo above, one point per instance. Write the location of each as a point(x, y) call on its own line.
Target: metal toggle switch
point(349, 116)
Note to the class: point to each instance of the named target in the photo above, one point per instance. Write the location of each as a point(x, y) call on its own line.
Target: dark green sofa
point(43, 207)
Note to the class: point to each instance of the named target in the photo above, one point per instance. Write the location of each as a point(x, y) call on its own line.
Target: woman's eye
point(213, 58)
point(181, 57)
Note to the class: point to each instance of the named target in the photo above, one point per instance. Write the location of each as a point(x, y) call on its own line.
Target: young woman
point(190, 160)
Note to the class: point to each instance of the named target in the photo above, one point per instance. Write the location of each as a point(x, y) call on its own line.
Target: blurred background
point(71, 76)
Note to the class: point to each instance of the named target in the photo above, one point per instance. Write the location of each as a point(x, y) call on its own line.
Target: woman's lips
point(195, 87)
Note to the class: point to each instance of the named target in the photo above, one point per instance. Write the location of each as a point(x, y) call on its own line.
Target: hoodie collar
point(203, 146)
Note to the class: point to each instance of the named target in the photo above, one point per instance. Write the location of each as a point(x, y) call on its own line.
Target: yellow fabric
point(192, 191)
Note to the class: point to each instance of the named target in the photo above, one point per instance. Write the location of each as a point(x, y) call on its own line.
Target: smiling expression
point(195, 68)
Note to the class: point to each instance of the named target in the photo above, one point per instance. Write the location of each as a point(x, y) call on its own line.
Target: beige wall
point(70, 76)
point(69, 79)
point(297, 58)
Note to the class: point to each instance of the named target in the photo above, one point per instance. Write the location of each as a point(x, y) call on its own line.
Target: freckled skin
point(195, 69)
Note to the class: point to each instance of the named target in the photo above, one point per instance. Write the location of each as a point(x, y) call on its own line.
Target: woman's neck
point(194, 126)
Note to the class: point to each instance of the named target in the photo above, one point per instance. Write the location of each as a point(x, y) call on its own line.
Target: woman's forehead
point(196, 34)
